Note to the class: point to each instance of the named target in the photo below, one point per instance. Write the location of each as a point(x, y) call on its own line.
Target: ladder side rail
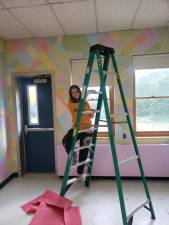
point(132, 134)
point(112, 142)
point(96, 123)
point(75, 132)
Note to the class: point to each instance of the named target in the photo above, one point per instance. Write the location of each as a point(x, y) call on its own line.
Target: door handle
point(26, 129)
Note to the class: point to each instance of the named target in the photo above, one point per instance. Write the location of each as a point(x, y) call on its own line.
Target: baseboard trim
point(7, 180)
point(124, 178)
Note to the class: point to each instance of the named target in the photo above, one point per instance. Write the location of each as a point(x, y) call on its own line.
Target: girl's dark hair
point(70, 93)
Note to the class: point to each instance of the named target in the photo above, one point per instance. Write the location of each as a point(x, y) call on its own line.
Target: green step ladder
point(99, 51)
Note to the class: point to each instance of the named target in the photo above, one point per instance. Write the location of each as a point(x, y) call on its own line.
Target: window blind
point(151, 61)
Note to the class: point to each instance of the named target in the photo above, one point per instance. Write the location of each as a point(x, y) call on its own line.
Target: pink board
point(52, 209)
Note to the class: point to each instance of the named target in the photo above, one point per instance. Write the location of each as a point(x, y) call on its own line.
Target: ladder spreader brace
point(96, 51)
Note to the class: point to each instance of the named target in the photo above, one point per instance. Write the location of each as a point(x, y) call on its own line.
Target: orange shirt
point(85, 121)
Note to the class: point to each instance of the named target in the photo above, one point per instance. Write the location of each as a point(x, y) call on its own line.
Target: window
point(32, 105)
point(152, 100)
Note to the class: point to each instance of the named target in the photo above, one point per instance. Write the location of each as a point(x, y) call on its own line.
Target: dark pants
point(66, 141)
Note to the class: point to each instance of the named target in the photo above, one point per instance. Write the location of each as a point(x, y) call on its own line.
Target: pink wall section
point(155, 159)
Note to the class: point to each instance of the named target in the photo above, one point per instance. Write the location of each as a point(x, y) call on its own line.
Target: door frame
point(21, 160)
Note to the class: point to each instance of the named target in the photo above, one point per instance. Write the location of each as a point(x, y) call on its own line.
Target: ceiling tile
point(39, 19)
point(76, 17)
point(20, 3)
point(1, 6)
point(152, 13)
point(60, 1)
point(115, 14)
point(14, 29)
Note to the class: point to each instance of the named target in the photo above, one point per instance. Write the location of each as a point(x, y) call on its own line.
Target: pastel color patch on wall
point(63, 115)
point(93, 38)
point(107, 40)
point(25, 58)
point(3, 136)
point(16, 46)
point(151, 39)
point(42, 44)
point(74, 43)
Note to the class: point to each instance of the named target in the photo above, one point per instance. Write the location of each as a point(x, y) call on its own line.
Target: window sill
point(140, 140)
point(153, 140)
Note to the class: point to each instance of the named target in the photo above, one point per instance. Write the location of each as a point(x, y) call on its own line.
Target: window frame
point(145, 133)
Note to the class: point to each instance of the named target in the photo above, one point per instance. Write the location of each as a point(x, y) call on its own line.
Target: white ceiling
point(46, 18)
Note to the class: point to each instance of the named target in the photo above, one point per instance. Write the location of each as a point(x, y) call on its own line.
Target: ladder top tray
point(103, 49)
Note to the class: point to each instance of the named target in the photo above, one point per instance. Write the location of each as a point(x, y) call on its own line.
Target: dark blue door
point(38, 124)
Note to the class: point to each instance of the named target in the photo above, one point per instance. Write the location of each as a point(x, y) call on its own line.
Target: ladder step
point(76, 179)
point(104, 72)
point(128, 159)
point(87, 130)
point(90, 112)
point(139, 207)
point(81, 163)
point(73, 180)
point(84, 147)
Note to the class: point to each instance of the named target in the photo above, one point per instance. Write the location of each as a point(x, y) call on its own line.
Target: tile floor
point(99, 204)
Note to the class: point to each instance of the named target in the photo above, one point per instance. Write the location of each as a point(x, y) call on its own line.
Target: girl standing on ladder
point(85, 123)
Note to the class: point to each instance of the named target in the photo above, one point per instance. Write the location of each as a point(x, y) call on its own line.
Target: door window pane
point(32, 105)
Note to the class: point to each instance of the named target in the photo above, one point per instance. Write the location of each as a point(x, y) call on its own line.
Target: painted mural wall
point(54, 54)
point(4, 153)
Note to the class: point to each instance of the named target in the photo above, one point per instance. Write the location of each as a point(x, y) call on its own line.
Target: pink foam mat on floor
point(52, 209)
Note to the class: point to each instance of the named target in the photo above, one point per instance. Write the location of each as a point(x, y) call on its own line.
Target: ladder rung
point(87, 130)
point(128, 159)
point(139, 207)
point(104, 72)
point(83, 147)
point(90, 112)
point(81, 163)
point(76, 179)
point(73, 180)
